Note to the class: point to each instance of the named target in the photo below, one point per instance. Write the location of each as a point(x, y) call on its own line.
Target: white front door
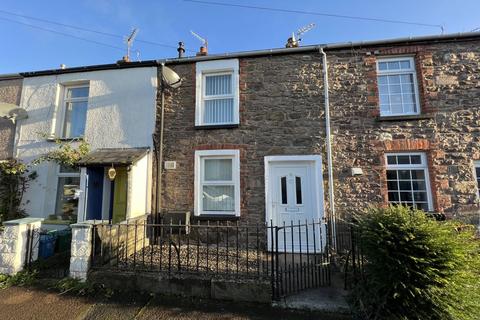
point(294, 195)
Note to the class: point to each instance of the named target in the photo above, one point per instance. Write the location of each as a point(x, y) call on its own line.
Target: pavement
point(39, 303)
point(326, 299)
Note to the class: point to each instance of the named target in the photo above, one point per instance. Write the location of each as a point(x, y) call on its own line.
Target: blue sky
point(227, 29)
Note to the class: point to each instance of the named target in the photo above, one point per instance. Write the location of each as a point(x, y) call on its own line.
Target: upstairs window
point(217, 99)
point(397, 87)
point(407, 180)
point(75, 106)
point(217, 178)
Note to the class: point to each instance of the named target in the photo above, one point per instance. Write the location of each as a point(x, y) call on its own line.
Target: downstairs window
point(217, 179)
point(407, 180)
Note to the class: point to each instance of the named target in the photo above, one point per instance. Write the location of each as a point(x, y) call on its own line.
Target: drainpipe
point(160, 147)
point(331, 196)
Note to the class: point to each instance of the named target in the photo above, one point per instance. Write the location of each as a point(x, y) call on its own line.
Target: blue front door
point(94, 193)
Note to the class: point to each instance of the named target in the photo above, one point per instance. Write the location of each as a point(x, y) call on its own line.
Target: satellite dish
point(171, 78)
point(12, 112)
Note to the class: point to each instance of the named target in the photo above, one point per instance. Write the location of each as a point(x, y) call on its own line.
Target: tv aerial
point(202, 40)
point(129, 42)
point(294, 40)
point(12, 112)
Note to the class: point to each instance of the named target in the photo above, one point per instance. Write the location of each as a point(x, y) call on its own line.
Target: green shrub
point(82, 288)
point(416, 267)
point(74, 286)
point(20, 279)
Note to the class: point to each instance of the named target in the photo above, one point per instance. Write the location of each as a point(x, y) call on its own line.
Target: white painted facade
point(121, 114)
point(138, 193)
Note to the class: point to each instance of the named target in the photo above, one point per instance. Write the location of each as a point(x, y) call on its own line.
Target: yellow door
point(120, 196)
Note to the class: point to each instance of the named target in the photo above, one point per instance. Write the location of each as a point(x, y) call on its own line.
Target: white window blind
point(217, 175)
point(217, 92)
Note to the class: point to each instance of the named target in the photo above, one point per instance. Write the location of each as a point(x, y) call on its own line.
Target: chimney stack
point(203, 51)
point(125, 59)
point(181, 49)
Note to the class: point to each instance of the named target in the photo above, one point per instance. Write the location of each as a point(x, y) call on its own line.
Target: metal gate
point(306, 264)
point(33, 245)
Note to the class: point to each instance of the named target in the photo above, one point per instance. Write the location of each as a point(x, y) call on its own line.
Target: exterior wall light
point(112, 173)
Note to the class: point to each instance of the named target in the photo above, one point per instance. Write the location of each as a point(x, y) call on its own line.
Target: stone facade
point(447, 130)
point(10, 92)
point(282, 113)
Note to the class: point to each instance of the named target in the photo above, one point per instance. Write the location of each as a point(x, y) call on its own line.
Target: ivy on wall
point(15, 177)
point(67, 153)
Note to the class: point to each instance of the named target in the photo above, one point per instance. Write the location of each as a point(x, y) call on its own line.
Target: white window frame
point(66, 100)
point(476, 164)
point(199, 173)
point(423, 166)
point(216, 67)
point(412, 71)
point(66, 175)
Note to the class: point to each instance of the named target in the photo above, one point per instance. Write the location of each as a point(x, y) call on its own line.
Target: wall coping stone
point(22, 221)
point(95, 222)
point(81, 225)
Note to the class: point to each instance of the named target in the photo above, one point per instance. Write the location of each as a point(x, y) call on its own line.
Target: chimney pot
point(203, 51)
point(125, 59)
point(181, 49)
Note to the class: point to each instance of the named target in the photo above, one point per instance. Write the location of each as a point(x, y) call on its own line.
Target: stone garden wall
point(14, 239)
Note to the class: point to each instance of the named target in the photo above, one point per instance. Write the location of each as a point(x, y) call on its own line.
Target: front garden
point(415, 267)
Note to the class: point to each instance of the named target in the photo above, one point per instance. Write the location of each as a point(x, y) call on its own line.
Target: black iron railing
point(292, 256)
point(32, 246)
point(208, 250)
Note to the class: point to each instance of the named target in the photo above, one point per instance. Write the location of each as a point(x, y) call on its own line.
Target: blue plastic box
point(46, 246)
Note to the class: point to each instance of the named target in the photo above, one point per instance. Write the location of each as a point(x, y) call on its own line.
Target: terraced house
point(248, 130)
point(253, 154)
point(103, 106)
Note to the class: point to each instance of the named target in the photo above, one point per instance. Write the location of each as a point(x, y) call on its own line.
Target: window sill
point(219, 217)
point(216, 126)
point(58, 222)
point(53, 139)
point(405, 118)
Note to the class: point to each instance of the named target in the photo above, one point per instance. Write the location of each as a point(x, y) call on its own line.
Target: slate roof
point(115, 156)
point(310, 48)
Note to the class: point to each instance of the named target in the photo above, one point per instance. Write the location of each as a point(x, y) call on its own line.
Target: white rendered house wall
point(138, 188)
point(121, 114)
